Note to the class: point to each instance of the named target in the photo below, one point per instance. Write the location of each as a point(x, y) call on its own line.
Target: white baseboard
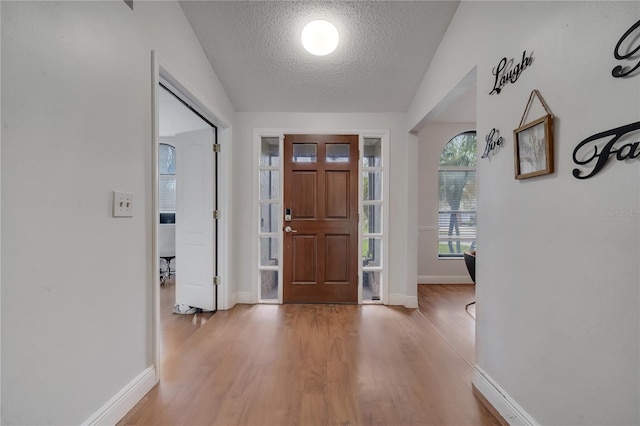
point(510, 410)
point(411, 302)
point(242, 297)
point(118, 406)
point(444, 279)
point(402, 300)
point(396, 299)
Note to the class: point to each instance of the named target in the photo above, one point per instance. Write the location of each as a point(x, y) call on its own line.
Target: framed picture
point(533, 148)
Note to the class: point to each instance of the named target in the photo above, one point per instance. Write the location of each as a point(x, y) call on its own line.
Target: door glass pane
point(269, 214)
point(166, 159)
point(372, 152)
point(268, 251)
point(167, 193)
point(268, 284)
point(338, 153)
point(372, 185)
point(371, 285)
point(372, 219)
point(269, 184)
point(305, 152)
point(372, 252)
point(270, 152)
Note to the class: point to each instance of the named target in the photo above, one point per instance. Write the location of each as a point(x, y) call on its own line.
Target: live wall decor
point(505, 72)
point(533, 143)
point(494, 142)
point(631, 53)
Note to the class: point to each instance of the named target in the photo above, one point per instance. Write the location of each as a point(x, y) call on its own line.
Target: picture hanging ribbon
point(537, 94)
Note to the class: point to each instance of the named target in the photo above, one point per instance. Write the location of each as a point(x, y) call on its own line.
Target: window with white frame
point(167, 178)
point(457, 196)
point(269, 210)
point(371, 220)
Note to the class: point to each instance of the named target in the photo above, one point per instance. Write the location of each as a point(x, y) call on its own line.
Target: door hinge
point(216, 147)
point(216, 214)
point(216, 281)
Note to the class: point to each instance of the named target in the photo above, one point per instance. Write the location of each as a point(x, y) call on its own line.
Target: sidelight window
point(371, 219)
point(269, 220)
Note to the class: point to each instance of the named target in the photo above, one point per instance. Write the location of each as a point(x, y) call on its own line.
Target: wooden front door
point(320, 258)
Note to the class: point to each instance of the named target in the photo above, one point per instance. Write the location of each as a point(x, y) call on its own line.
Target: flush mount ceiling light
point(320, 37)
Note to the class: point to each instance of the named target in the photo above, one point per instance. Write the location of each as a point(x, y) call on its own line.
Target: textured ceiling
point(385, 49)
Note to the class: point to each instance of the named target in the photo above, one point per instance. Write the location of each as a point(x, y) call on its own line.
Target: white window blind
point(167, 178)
point(457, 196)
point(167, 193)
point(456, 212)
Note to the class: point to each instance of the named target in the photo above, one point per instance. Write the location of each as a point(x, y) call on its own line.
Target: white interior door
point(195, 230)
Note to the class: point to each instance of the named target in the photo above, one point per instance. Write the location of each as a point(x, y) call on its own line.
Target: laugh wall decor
point(626, 44)
point(505, 72)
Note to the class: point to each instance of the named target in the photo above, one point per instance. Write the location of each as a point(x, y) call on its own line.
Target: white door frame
point(161, 72)
point(258, 134)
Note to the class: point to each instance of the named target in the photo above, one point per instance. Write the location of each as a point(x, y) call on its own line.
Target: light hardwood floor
point(313, 365)
point(176, 329)
point(443, 305)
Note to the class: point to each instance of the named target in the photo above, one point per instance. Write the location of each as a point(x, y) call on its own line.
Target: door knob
point(289, 229)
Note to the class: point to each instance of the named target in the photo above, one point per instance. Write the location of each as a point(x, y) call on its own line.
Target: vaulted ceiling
point(385, 49)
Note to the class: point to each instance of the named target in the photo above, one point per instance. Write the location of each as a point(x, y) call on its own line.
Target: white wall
point(403, 279)
point(432, 270)
point(77, 121)
point(0, 227)
point(557, 277)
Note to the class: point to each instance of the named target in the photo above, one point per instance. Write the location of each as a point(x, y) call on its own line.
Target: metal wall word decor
point(506, 72)
point(586, 152)
point(494, 143)
point(632, 53)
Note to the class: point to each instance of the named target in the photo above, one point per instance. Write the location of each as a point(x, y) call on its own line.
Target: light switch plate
point(122, 204)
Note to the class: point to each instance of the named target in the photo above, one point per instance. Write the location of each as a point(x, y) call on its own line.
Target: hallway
point(313, 365)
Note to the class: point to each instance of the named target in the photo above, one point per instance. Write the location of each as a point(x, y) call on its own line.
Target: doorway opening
point(187, 196)
point(446, 186)
point(186, 257)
